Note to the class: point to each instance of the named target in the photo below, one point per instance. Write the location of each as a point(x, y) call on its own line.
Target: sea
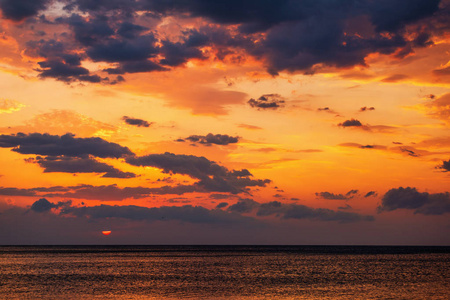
point(224, 272)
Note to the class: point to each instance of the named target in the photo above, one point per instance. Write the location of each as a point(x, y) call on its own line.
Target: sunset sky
point(225, 122)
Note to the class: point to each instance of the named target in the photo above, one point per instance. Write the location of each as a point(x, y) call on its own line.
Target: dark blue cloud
point(295, 211)
point(217, 139)
point(18, 10)
point(80, 165)
point(65, 145)
point(136, 122)
point(421, 203)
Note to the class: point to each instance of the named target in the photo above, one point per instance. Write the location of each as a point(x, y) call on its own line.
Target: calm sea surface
point(224, 272)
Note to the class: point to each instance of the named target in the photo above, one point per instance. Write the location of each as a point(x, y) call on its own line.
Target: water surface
point(224, 272)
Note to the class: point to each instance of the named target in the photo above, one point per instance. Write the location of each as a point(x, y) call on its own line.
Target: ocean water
point(224, 272)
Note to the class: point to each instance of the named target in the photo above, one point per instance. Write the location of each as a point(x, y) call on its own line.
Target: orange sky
point(329, 144)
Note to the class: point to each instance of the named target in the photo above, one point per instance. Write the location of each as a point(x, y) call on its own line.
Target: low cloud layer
point(421, 203)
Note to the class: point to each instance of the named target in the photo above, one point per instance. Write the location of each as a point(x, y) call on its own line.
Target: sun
point(106, 232)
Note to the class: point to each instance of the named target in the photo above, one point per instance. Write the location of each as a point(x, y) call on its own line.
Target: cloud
point(186, 213)
point(194, 166)
point(209, 139)
point(67, 145)
point(295, 211)
point(371, 193)
point(8, 106)
point(346, 207)
point(327, 34)
point(442, 72)
point(395, 78)
point(212, 176)
point(249, 127)
point(327, 109)
point(354, 123)
point(18, 10)
point(351, 123)
point(79, 165)
point(16, 192)
point(136, 122)
point(222, 205)
point(220, 196)
point(43, 205)
point(102, 192)
point(410, 198)
point(365, 108)
point(243, 206)
point(267, 101)
point(331, 196)
point(445, 167)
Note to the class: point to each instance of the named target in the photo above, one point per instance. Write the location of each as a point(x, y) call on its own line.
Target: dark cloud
point(18, 10)
point(136, 122)
point(445, 167)
point(350, 123)
point(212, 176)
point(60, 62)
point(176, 54)
point(295, 211)
point(102, 193)
point(115, 50)
point(409, 151)
point(421, 203)
point(135, 67)
point(115, 193)
point(209, 139)
point(129, 30)
point(43, 205)
point(194, 166)
point(80, 165)
point(186, 213)
point(388, 15)
point(243, 206)
point(220, 196)
point(324, 109)
point(365, 108)
point(354, 123)
point(17, 192)
point(67, 145)
point(351, 193)
point(222, 205)
point(371, 193)
point(331, 196)
point(345, 207)
point(64, 71)
point(267, 101)
point(287, 35)
point(327, 109)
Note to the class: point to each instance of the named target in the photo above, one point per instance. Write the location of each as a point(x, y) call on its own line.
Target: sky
point(289, 122)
